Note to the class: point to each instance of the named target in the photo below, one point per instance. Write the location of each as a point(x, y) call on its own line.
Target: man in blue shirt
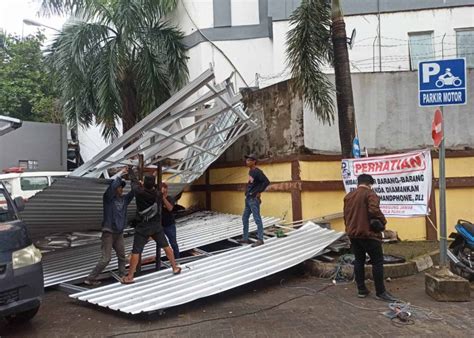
point(257, 184)
point(115, 220)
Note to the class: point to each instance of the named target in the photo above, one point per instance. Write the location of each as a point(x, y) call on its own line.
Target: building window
point(420, 45)
point(28, 164)
point(465, 45)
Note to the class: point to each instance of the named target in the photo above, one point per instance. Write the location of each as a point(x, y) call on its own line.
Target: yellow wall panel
point(276, 204)
point(228, 175)
point(456, 167)
point(321, 203)
point(194, 198)
point(459, 205)
point(408, 228)
point(276, 172)
point(320, 171)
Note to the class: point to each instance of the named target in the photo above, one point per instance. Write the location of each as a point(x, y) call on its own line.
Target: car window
point(33, 183)
point(8, 185)
point(6, 210)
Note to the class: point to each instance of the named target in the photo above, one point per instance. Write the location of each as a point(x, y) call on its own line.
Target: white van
point(27, 184)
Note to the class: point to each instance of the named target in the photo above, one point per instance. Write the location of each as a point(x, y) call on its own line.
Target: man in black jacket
point(257, 183)
point(148, 199)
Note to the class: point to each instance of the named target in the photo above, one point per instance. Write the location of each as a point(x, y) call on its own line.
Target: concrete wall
point(387, 114)
point(281, 114)
point(42, 142)
point(389, 119)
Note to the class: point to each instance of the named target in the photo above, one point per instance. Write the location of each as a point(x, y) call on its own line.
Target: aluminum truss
point(190, 130)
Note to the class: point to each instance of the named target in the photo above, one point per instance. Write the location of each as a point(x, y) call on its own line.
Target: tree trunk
point(129, 104)
point(345, 99)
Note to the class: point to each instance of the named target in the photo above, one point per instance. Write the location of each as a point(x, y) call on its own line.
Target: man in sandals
point(148, 199)
point(115, 219)
point(257, 184)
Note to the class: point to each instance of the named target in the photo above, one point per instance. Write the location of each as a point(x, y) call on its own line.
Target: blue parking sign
point(442, 82)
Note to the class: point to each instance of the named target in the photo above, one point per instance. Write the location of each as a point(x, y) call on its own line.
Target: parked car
point(27, 184)
point(21, 271)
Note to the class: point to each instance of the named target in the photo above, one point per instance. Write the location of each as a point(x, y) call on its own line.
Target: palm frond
point(116, 58)
point(166, 39)
point(308, 49)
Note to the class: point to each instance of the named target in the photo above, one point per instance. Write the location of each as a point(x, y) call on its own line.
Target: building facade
point(35, 146)
point(250, 35)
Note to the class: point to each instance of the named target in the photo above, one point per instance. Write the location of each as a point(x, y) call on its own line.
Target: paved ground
point(253, 311)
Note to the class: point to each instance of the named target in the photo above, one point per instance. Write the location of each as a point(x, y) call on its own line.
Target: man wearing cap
point(115, 219)
point(361, 208)
point(149, 204)
point(257, 183)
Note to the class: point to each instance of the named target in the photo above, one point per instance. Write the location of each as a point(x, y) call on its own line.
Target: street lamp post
point(30, 22)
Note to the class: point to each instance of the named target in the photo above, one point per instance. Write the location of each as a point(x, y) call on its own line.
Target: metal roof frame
point(219, 118)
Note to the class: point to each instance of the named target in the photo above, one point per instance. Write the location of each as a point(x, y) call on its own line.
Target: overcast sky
point(12, 13)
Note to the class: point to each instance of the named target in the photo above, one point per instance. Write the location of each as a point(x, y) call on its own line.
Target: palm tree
point(116, 59)
point(308, 50)
point(317, 38)
point(342, 72)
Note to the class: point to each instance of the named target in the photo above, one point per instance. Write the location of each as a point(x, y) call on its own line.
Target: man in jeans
point(115, 219)
point(257, 183)
point(361, 206)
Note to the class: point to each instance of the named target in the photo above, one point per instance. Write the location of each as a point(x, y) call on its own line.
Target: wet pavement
point(284, 305)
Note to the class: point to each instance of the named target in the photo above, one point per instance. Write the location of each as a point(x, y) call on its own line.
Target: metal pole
point(443, 244)
point(159, 178)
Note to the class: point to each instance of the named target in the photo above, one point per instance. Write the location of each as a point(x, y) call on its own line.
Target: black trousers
point(374, 249)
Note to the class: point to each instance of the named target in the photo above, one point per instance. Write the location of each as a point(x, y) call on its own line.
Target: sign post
point(442, 83)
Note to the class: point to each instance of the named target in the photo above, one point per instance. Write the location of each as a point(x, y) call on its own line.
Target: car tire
point(22, 317)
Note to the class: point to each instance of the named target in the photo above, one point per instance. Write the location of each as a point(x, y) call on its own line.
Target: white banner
point(403, 181)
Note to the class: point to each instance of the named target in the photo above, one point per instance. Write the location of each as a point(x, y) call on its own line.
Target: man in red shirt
point(360, 207)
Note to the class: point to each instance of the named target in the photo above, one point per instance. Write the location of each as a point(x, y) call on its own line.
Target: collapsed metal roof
point(190, 131)
point(212, 275)
point(194, 127)
point(193, 231)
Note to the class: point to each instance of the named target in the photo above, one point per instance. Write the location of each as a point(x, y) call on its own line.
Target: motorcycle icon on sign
point(448, 79)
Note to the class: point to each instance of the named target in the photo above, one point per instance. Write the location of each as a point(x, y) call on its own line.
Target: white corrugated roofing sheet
point(193, 231)
point(212, 275)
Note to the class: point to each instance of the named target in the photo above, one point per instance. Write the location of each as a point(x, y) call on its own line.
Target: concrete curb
point(409, 268)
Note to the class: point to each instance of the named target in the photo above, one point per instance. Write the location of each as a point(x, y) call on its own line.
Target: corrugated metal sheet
point(193, 231)
point(71, 204)
point(211, 275)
